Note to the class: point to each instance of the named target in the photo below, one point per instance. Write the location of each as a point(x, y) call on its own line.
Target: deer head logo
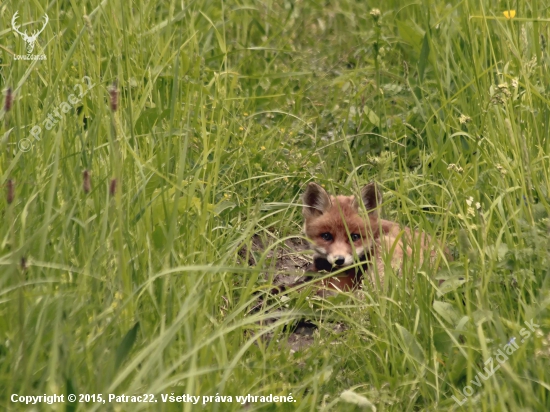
point(31, 40)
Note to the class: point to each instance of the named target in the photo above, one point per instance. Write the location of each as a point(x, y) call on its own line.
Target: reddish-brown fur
point(340, 217)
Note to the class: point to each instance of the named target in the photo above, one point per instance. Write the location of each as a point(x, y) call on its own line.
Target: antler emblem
point(30, 40)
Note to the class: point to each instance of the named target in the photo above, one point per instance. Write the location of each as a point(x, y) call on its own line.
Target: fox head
point(336, 225)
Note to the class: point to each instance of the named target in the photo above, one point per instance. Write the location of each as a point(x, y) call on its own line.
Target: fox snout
point(340, 260)
point(339, 255)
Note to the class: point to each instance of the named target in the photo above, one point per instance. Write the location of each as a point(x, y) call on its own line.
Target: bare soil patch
point(292, 260)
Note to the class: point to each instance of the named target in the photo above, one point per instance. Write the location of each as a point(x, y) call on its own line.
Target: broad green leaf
point(447, 312)
point(223, 205)
point(411, 345)
point(373, 117)
point(126, 346)
point(451, 284)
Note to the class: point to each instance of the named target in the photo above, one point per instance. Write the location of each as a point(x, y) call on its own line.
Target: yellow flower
point(509, 14)
point(263, 147)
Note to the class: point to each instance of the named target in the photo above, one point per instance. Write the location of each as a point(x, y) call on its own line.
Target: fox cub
point(343, 234)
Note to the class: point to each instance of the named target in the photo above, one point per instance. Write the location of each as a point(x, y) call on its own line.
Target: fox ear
point(372, 198)
point(316, 200)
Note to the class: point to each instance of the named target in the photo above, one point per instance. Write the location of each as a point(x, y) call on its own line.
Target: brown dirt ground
point(291, 261)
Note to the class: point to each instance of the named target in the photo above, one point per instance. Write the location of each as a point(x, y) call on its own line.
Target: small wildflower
point(454, 167)
point(263, 147)
point(112, 188)
point(246, 114)
point(463, 119)
point(503, 88)
point(375, 13)
point(86, 185)
point(241, 128)
point(471, 211)
point(118, 295)
point(515, 83)
point(469, 201)
point(478, 205)
point(113, 95)
point(509, 14)
point(9, 100)
point(501, 169)
point(10, 192)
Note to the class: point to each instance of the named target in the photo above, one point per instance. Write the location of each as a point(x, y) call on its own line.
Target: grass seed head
point(113, 96)
point(112, 188)
point(9, 100)
point(86, 184)
point(10, 192)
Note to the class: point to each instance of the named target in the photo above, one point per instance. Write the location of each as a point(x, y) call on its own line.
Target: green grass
point(225, 111)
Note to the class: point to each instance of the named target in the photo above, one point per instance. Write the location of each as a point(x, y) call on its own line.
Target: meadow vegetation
point(122, 231)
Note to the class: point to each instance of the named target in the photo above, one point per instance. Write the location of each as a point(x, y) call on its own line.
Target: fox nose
point(339, 260)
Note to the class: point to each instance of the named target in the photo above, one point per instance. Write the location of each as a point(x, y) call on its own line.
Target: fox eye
point(326, 236)
point(355, 237)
